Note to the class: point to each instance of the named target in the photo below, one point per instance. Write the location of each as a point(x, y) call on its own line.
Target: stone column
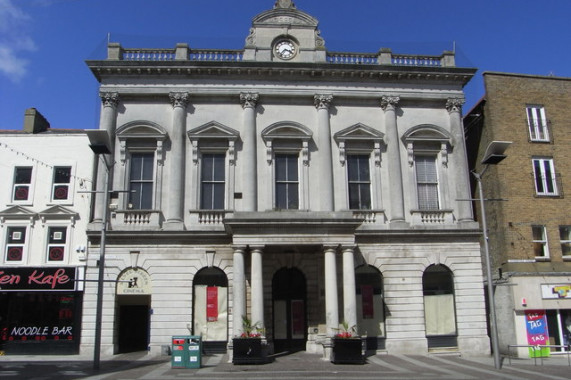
point(460, 164)
point(389, 105)
point(349, 292)
point(249, 151)
point(107, 121)
point(257, 287)
point(175, 213)
point(238, 291)
point(324, 157)
point(331, 297)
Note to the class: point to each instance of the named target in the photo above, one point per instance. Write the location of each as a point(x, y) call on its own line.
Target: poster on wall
point(212, 304)
point(537, 333)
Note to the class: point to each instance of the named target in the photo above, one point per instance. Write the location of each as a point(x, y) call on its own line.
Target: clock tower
point(284, 34)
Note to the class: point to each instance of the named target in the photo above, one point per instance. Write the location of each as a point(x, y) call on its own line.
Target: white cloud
point(14, 40)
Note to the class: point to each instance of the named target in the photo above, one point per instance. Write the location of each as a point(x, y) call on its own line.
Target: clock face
point(285, 49)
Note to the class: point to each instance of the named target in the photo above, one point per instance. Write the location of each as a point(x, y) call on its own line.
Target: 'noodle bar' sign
point(38, 279)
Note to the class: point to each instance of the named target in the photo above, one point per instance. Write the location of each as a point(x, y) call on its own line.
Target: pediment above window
point(213, 131)
point(139, 132)
point(58, 213)
point(359, 137)
point(17, 213)
point(287, 131)
point(428, 138)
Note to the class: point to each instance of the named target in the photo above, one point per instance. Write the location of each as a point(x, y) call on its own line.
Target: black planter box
point(347, 351)
point(248, 351)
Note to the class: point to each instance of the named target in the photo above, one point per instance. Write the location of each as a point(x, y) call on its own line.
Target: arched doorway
point(210, 309)
point(439, 307)
point(370, 306)
point(289, 296)
point(133, 310)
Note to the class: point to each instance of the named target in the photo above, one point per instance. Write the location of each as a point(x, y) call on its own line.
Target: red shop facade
point(40, 310)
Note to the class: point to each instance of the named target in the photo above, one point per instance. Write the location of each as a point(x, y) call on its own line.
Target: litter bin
point(186, 351)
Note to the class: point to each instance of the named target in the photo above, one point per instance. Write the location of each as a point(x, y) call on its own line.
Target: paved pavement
point(216, 367)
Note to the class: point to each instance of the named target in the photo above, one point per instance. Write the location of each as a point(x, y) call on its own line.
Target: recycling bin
point(186, 351)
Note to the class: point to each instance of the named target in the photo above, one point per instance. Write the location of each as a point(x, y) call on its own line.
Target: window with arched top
point(141, 155)
point(287, 155)
point(428, 147)
point(370, 305)
point(439, 305)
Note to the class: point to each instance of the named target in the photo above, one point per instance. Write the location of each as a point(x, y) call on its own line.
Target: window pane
point(293, 196)
point(548, 176)
point(538, 176)
point(146, 196)
point(354, 203)
point(62, 174)
point(218, 201)
point(218, 167)
point(281, 168)
point(148, 167)
point(207, 167)
point(136, 167)
point(281, 196)
point(565, 236)
point(57, 235)
point(23, 176)
point(365, 197)
point(206, 196)
point(16, 235)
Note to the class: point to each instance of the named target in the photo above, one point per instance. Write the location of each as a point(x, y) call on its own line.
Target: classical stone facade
point(293, 185)
point(529, 233)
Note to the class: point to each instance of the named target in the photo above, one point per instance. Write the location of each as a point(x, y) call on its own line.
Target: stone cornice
point(281, 71)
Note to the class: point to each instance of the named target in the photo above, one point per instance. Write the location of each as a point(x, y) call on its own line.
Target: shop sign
point(134, 281)
point(537, 333)
point(559, 291)
point(38, 279)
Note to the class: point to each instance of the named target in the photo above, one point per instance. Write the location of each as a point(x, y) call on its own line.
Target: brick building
point(530, 232)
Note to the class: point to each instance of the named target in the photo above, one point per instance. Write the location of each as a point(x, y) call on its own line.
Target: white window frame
point(216, 138)
point(288, 137)
point(543, 176)
point(434, 157)
point(543, 242)
point(24, 245)
point(153, 181)
point(64, 245)
point(200, 178)
point(28, 186)
point(69, 185)
point(369, 183)
point(537, 123)
point(565, 240)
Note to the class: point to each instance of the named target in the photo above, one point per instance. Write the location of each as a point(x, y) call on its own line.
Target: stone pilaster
point(108, 121)
point(238, 290)
point(324, 155)
point(175, 212)
point(349, 290)
point(257, 287)
point(460, 163)
point(331, 296)
point(389, 105)
point(249, 151)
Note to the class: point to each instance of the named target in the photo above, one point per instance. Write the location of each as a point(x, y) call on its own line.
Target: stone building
point(296, 186)
point(43, 220)
point(529, 232)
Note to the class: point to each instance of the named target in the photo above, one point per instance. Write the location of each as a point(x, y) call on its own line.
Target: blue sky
point(44, 43)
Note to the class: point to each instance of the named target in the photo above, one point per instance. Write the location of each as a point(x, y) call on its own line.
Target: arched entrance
point(289, 296)
point(133, 310)
point(370, 306)
point(439, 307)
point(210, 309)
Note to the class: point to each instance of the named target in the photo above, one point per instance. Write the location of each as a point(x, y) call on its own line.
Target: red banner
point(211, 304)
point(367, 301)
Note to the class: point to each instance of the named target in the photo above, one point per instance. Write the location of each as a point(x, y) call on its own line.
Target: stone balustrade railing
point(182, 52)
point(431, 217)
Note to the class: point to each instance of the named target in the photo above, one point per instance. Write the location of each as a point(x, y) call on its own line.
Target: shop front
point(41, 310)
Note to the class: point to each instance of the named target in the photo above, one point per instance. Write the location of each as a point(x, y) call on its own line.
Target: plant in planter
point(248, 347)
point(347, 346)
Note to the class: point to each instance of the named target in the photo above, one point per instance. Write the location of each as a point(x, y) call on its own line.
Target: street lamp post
point(494, 154)
point(100, 144)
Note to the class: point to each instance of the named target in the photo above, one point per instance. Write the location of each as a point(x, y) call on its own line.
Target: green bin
point(186, 351)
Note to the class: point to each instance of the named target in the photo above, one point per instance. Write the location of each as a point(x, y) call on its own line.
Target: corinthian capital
point(389, 102)
point(455, 105)
point(109, 99)
point(322, 101)
point(249, 99)
point(179, 99)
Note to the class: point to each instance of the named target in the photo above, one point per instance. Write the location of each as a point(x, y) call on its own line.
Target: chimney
point(34, 122)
